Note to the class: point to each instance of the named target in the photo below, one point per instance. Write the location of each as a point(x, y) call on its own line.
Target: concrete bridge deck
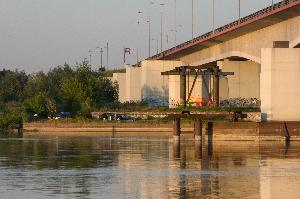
point(261, 19)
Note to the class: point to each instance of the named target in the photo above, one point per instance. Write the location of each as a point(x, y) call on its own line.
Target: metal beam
point(193, 85)
point(206, 86)
point(172, 72)
point(207, 116)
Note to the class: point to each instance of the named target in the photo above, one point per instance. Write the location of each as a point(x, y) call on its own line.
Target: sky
point(38, 35)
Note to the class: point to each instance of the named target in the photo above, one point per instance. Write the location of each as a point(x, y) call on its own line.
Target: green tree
point(9, 117)
point(12, 85)
point(40, 104)
point(87, 90)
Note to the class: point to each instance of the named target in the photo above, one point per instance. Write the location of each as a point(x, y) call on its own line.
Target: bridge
point(262, 50)
point(241, 38)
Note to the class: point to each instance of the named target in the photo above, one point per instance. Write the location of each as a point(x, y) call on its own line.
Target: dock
point(199, 121)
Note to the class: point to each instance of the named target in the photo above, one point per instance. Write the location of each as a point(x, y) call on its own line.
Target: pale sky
point(41, 34)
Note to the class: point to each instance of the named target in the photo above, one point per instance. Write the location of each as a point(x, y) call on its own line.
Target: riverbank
point(247, 131)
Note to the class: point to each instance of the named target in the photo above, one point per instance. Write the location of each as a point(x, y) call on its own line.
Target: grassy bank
point(144, 107)
point(96, 124)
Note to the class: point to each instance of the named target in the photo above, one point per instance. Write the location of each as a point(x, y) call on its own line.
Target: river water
point(146, 167)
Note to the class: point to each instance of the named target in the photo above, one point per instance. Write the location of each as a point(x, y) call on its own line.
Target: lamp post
point(167, 39)
point(239, 11)
point(175, 22)
point(101, 56)
point(177, 30)
point(149, 28)
point(161, 27)
point(213, 16)
point(149, 36)
point(106, 55)
point(193, 19)
point(137, 49)
point(90, 57)
point(156, 44)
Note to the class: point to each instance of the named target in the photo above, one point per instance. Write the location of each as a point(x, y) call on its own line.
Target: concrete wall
point(154, 86)
point(133, 84)
point(280, 84)
point(146, 82)
point(199, 92)
point(120, 78)
point(244, 83)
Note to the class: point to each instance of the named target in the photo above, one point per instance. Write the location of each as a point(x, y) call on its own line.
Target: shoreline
point(226, 131)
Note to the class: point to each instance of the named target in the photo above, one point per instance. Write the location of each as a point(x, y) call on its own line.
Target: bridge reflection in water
point(147, 167)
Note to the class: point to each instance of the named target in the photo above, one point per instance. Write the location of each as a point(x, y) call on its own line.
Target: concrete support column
point(183, 89)
point(216, 93)
point(176, 129)
point(198, 129)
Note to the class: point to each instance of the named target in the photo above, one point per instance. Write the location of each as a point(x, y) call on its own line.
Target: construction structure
point(260, 54)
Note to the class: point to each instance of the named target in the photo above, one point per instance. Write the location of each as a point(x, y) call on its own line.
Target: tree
point(12, 85)
point(87, 90)
point(40, 104)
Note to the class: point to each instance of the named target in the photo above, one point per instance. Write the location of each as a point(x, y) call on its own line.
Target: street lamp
point(177, 30)
point(149, 28)
point(106, 47)
point(193, 19)
point(239, 11)
point(149, 36)
point(161, 27)
point(137, 50)
point(175, 21)
point(101, 56)
point(213, 16)
point(156, 44)
point(167, 39)
point(90, 57)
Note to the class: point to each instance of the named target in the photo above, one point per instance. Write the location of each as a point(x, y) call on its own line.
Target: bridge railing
point(223, 29)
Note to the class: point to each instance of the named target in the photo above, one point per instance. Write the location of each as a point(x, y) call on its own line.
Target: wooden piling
point(210, 130)
point(198, 129)
point(176, 129)
point(198, 149)
point(176, 148)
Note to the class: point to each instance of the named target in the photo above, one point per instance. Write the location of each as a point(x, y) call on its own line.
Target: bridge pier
point(199, 134)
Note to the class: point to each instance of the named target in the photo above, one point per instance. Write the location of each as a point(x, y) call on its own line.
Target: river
point(146, 167)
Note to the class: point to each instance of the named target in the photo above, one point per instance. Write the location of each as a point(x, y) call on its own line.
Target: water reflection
point(146, 167)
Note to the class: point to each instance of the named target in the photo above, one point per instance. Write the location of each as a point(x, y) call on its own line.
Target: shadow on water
point(237, 155)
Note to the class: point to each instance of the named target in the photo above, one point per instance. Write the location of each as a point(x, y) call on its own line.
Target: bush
point(9, 118)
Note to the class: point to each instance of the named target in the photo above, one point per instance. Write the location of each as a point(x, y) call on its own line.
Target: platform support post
point(198, 129)
point(210, 129)
point(216, 91)
point(183, 89)
point(176, 129)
